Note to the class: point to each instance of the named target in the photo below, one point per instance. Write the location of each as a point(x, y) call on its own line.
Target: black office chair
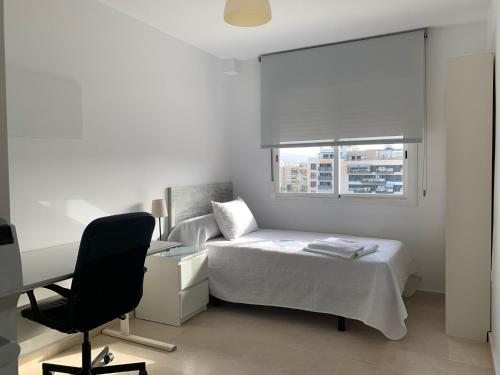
point(107, 284)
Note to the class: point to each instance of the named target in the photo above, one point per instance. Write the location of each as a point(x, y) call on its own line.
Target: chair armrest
point(38, 315)
point(63, 292)
point(33, 302)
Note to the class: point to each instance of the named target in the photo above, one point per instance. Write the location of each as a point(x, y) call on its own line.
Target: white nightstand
point(175, 286)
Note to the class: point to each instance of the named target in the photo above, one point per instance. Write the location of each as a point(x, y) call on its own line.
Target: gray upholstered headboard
point(185, 202)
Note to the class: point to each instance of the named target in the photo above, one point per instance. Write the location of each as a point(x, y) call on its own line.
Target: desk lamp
point(159, 210)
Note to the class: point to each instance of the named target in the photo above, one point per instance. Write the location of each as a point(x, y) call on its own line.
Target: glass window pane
point(306, 170)
point(372, 169)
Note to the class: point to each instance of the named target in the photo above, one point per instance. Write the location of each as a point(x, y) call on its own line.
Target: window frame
point(409, 197)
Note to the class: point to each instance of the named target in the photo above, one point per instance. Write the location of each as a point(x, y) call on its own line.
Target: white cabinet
point(175, 286)
point(468, 195)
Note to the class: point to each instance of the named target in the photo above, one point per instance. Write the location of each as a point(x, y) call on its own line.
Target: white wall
point(152, 115)
point(4, 164)
point(420, 227)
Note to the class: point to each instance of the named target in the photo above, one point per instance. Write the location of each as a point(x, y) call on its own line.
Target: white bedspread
point(269, 267)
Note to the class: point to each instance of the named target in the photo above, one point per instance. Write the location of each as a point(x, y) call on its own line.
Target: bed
point(269, 267)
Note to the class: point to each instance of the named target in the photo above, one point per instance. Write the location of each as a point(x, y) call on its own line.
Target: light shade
point(247, 13)
point(159, 208)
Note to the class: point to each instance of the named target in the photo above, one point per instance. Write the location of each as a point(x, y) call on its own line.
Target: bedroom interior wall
point(4, 161)
point(420, 227)
point(104, 113)
point(127, 112)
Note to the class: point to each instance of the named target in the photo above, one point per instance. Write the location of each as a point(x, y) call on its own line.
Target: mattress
point(268, 267)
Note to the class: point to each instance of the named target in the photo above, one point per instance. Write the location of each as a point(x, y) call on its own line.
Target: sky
point(301, 154)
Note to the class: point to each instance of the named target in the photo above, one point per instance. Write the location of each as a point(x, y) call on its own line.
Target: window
point(372, 169)
point(357, 170)
point(294, 162)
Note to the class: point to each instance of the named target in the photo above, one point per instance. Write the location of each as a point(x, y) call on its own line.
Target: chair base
point(96, 366)
point(50, 369)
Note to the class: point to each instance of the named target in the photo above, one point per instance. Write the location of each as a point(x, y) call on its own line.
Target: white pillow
point(234, 218)
point(195, 231)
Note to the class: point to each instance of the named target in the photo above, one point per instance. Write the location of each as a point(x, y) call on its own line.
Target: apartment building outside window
point(358, 170)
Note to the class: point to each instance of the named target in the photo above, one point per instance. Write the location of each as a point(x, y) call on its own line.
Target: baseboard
point(53, 348)
point(494, 350)
point(49, 349)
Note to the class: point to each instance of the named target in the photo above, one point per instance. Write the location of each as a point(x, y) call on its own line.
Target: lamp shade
point(159, 208)
point(247, 13)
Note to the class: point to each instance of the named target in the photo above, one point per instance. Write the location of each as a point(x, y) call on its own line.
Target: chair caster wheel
point(108, 358)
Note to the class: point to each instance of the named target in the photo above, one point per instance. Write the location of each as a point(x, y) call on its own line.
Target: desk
point(50, 265)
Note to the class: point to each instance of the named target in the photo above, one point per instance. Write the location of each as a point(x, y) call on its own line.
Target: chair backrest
point(109, 271)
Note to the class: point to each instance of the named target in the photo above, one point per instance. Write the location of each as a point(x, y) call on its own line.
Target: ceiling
point(295, 23)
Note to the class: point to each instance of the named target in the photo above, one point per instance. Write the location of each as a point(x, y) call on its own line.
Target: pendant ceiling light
point(247, 13)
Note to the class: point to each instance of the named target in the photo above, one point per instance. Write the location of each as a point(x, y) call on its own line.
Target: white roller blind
point(372, 88)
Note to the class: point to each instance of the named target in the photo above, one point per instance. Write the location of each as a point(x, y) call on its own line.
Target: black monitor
point(6, 236)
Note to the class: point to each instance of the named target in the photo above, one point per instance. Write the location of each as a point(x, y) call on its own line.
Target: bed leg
point(341, 323)
point(214, 301)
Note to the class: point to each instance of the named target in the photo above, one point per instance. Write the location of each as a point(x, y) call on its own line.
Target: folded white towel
point(352, 256)
point(347, 249)
point(336, 244)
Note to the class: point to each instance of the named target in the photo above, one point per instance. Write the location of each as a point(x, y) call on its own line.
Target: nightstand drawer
point(193, 271)
point(193, 299)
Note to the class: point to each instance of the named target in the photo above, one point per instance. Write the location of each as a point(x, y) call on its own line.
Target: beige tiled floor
point(234, 339)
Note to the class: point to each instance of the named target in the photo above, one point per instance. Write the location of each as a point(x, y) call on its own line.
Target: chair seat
point(55, 314)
